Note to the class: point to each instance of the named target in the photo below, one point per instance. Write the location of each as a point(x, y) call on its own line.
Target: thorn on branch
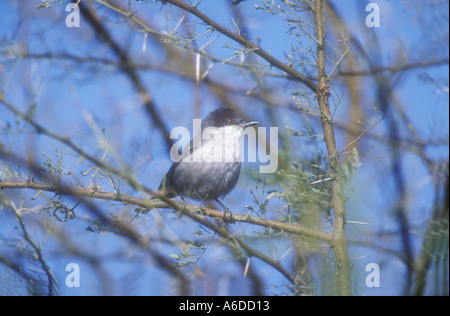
point(324, 90)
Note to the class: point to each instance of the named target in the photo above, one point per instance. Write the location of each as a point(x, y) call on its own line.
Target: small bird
point(210, 169)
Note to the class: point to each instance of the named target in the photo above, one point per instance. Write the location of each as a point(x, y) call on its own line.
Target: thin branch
point(128, 67)
point(393, 68)
point(358, 138)
point(50, 277)
point(66, 141)
point(247, 44)
point(187, 210)
point(222, 231)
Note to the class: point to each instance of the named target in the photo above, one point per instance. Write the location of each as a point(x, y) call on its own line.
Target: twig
point(362, 134)
point(50, 277)
point(246, 43)
point(128, 67)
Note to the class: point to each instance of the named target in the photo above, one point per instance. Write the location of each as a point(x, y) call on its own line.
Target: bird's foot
point(182, 202)
point(227, 214)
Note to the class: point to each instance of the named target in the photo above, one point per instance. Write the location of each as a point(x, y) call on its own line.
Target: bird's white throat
point(218, 145)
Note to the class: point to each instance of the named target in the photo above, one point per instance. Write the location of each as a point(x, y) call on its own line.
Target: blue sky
point(69, 95)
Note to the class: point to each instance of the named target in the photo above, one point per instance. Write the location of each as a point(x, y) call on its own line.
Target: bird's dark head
point(222, 117)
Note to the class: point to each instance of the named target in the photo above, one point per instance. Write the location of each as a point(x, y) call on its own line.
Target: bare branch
point(152, 203)
point(247, 44)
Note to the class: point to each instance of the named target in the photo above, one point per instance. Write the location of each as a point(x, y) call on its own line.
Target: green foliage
point(192, 250)
point(306, 192)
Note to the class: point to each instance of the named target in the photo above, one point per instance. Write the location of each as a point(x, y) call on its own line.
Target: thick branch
point(150, 204)
point(339, 234)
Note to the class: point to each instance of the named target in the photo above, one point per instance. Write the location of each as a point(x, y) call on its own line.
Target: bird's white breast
point(221, 144)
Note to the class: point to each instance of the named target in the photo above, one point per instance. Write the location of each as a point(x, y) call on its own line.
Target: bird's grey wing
point(166, 181)
point(194, 144)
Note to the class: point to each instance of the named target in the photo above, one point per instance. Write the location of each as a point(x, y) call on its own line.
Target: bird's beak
point(246, 124)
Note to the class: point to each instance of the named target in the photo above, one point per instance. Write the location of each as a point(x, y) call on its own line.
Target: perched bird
point(210, 169)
